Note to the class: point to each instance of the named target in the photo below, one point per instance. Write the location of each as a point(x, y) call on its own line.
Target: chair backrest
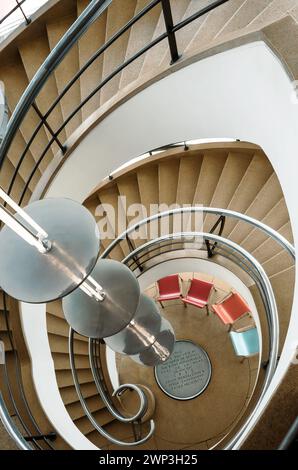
point(199, 289)
point(245, 343)
point(235, 304)
point(169, 285)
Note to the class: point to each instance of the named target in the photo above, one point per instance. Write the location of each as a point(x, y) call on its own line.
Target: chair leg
point(161, 304)
point(229, 328)
point(207, 309)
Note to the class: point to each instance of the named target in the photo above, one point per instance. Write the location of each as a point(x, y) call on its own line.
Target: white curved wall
point(243, 93)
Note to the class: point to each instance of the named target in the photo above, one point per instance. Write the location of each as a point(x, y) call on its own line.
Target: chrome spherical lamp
point(142, 330)
point(47, 249)
point(160, 350)
point(105, 316)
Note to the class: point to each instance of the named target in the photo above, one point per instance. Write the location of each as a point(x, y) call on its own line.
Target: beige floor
point(197, 423)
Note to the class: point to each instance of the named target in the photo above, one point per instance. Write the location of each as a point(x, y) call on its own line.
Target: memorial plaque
point(187, 372)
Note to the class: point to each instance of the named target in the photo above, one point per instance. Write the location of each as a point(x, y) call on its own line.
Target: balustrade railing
point(28, 101)
point(166, 247)
point(56, 142)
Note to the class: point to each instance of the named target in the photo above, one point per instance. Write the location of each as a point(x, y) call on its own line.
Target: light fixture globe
point(160, 350)
point(100, 319)
point(34, 277)
point(141, 332)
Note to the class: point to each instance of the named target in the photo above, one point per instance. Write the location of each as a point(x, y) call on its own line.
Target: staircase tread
point(76, 411)
point(64, 377)
point(66, 70)
point(69, 394)
point(244, 15)
point(103, 417)
point(59, 344)
point(58, 326)
point(140, 35)
point(88, 44)
point(119, 13)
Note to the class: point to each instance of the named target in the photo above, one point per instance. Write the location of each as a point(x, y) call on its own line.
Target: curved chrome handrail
point(77, 29)
point(11, 428)
point(228, 254)
point(271, 310)
point(99, 385)
point(87, 410)
point(92, 11)
point(15, 403)
point(88, 16)
point(206, 210)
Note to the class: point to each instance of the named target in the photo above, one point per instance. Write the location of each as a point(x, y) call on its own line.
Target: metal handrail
point(20, 386)
point(88, 16)
point(11, 428)
point(95, 8)
point(270, 308)
point(282, 241)
point(148, 258)
point(227, 213)
point(137, 262)
point(18, 6)
point(250, 265)
point(40, 78)
point(105, 398)
point(291, 437)
point(87, 410)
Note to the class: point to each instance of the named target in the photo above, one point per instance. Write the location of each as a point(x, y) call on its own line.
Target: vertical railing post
point(168, 18)
point(132, 248)
point(211, 248)
point(28, 20)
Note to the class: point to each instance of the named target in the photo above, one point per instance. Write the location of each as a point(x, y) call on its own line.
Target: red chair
point(169, 288)
point(198, 293)
point(230, 309)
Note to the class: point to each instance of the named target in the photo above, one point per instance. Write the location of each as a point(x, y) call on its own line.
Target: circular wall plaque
point(187, 372)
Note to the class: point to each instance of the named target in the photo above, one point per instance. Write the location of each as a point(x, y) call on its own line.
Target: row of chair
point(229, 310)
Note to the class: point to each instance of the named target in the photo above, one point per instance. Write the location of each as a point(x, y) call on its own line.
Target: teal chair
point(245, 343)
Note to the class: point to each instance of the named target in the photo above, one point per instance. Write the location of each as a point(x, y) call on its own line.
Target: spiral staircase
point(73, 94)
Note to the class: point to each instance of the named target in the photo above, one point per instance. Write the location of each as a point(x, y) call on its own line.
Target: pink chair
point(230, 309)
point(169, 288)
point(198, 293)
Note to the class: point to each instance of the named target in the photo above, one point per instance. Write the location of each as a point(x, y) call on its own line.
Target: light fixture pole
point(49, 250)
